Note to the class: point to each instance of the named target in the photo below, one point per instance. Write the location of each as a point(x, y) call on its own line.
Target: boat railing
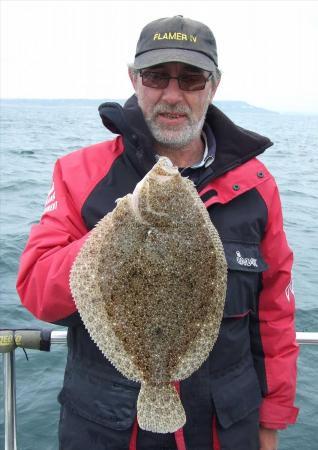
point(43, 340)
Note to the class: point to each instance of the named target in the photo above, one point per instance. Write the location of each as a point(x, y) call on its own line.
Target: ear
point(214, 89)
point(133, 78)
point(217, 85)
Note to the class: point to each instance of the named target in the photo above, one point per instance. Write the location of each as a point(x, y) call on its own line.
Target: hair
point(215, 78)
point(132, 70)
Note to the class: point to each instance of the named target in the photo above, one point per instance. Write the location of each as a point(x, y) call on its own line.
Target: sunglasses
point(190, 82)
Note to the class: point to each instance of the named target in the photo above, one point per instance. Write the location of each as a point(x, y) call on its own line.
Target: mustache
point(162, 108)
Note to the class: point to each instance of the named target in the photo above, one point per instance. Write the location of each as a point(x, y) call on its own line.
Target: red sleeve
point(43, 278)
point(277, 318)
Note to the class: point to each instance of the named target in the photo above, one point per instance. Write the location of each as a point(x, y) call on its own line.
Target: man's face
point(175, 117)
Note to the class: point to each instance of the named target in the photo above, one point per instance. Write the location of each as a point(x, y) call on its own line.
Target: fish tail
point(159, 408)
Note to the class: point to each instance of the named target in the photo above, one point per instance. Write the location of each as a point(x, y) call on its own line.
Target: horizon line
point(268, 109)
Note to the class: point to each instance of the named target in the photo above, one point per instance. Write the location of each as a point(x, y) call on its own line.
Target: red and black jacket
point(253, 364)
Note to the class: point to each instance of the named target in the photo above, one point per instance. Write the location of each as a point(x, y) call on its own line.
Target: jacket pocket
point(109, 401)
point(236, 394)
point(245, 265)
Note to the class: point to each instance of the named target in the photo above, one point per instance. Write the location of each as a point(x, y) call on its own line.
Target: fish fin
point(159, 408)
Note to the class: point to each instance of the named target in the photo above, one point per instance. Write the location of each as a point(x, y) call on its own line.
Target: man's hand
point(268, 439)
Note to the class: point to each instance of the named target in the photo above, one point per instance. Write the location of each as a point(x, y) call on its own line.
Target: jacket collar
point(234, 145)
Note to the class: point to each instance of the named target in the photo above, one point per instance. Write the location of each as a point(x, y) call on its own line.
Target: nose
point(172, 94)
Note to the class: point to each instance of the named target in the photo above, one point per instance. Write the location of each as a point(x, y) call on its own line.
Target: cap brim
point(165, 55)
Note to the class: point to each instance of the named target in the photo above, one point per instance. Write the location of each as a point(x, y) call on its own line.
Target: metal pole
point(9, 401)
point(58, 337)
point(304, 337)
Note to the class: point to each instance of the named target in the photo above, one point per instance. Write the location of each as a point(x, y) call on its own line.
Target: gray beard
point(176, 137)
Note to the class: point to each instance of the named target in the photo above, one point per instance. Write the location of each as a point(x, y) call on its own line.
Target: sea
point(34, 133)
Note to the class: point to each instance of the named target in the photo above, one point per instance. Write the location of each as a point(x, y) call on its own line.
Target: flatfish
point(149, 284)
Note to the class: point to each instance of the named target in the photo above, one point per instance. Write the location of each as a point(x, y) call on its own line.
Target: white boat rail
point(42, 340)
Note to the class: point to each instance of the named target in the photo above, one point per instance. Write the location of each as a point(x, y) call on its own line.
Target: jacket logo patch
point(289, 291)
point(248, 262)
point(51, 203)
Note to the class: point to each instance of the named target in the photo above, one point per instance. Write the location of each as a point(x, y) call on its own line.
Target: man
point(244, 392)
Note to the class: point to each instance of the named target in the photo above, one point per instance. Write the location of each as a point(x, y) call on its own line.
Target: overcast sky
point(268, 50)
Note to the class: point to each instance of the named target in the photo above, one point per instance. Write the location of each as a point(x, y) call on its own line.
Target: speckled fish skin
point(150, 284)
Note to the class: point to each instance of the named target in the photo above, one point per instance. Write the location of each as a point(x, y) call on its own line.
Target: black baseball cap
point(176, 39)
